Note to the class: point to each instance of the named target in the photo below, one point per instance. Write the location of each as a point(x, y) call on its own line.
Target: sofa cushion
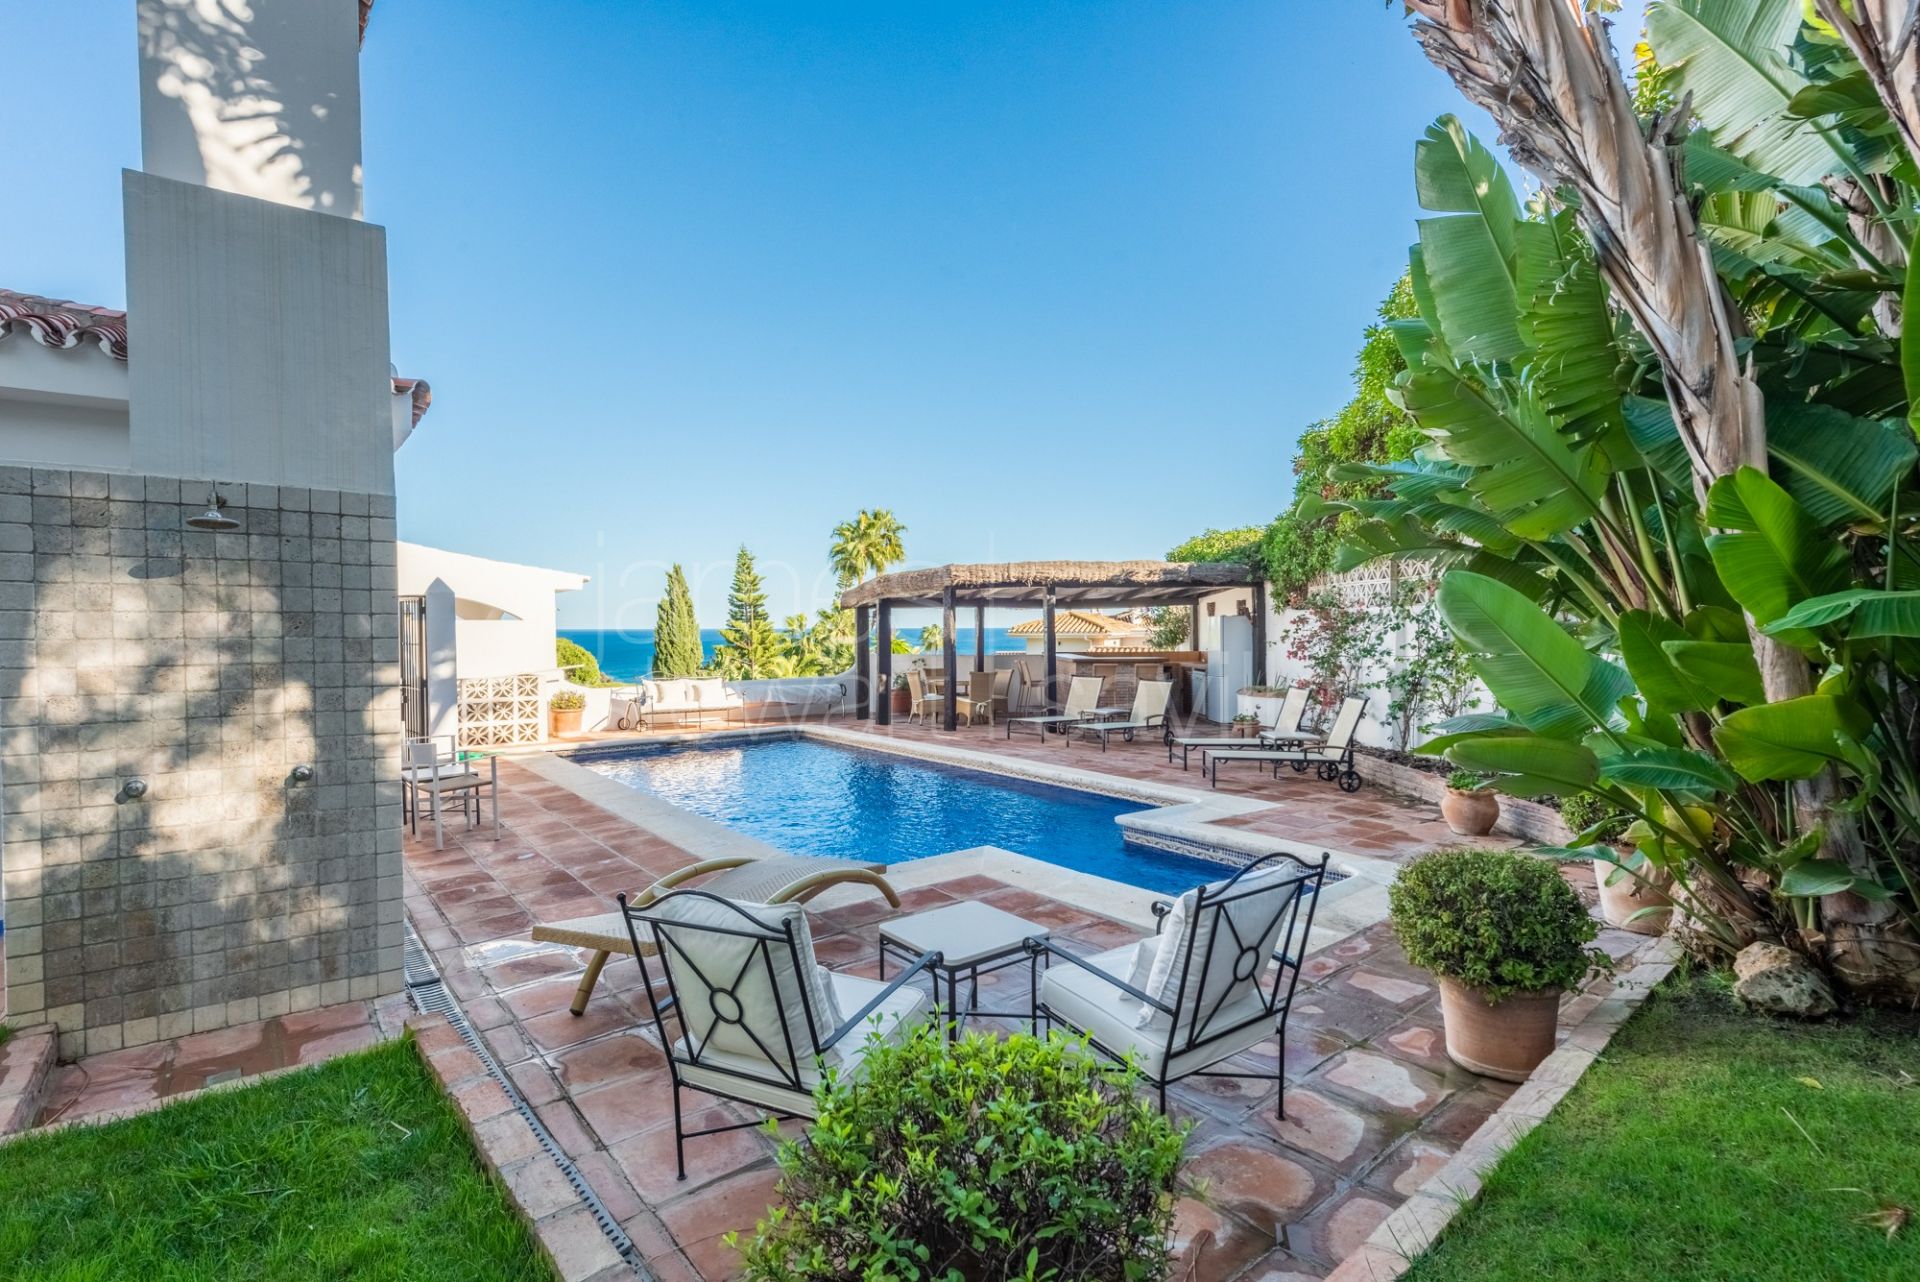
point(709, 691)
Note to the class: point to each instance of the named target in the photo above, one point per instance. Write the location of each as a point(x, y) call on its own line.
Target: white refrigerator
point(1229, 667)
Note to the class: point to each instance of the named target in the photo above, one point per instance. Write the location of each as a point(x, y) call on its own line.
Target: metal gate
point(413, 664)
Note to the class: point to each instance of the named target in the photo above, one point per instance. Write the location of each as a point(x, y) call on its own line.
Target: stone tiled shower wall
point(209, 665)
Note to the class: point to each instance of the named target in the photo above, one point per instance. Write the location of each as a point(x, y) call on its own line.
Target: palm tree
point(869, 543)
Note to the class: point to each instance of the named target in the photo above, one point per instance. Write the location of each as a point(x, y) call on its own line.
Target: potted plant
point(907, 1171)
point(1469, 806)
point(1246, 723)
point(564, 709)
point(902, 697)
point(1504, 935)
point(1634, 890)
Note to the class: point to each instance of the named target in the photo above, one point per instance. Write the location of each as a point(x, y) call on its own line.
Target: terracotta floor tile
point(648, 1160)
point(609, 1059)
point(700, 1222)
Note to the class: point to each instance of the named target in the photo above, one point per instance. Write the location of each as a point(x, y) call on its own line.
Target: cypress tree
point(676, 633)
point(750, 647)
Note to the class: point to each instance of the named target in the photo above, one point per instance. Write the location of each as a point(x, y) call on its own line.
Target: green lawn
point(357, 1169)
point(1711, 1145)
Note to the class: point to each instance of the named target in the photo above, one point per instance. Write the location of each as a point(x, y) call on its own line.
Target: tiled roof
point(54, 322)
point(366, 8)
point(1074, 623)
point(57, 323)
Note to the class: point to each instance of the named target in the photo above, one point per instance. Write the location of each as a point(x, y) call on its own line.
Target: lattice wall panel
point(498, 712)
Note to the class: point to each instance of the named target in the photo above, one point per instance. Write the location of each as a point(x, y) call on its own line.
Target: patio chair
point(1334, 758)
point(1083, 696)
point(779, 879)
point(1200, 990)
point(431, 779)
point(1285, 728)
point(985, 690)
point(759, 1020)
point(1149, 712)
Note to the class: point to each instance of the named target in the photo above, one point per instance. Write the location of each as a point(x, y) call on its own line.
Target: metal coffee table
point(972, 940)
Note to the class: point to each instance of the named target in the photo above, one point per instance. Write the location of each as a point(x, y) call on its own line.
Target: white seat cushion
point(1107, 1014)
point(710, 692)
point(743, 1077)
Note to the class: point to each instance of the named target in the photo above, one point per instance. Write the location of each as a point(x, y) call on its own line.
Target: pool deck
point(1373, 1105)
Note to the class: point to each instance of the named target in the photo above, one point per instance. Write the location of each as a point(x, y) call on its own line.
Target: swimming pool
point(817, 798)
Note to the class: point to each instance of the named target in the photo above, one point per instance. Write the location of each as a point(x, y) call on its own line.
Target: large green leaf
point(1865, 612)
point(1565, 322)
point(1792, 739)
point(1531, 765)
point(1771, 555)
point(1838, 467)
point(1725, 667)
point(1651, 427)
point(1468, 252)
point(1543, 677)
point(1670, 770)
point(1730, 57)
point(1526, 473)
point(1664, 686)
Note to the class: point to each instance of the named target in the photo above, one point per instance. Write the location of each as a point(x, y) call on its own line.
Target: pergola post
point(862, 662)
point(1260, 634)
point(1053, 651)
point(883, 643)
point(979, 638)
point(1193, 625)
point(949, 712)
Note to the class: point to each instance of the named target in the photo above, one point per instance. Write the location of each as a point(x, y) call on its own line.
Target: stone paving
point(1373, 1104)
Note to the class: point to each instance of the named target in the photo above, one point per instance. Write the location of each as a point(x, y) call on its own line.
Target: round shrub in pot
point(1504, 936)
point(1469, 807)
point(992, 1157)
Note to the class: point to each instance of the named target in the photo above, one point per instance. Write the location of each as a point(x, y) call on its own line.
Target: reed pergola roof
point(1074, 583)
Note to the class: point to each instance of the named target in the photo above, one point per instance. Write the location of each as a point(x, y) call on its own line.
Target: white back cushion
point(709, 690)
point(733, 996)
point(1230, 946)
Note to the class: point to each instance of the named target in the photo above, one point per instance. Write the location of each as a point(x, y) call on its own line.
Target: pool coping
point(1179, 814)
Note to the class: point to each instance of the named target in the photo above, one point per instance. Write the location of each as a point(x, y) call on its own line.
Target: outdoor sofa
point(694, 698)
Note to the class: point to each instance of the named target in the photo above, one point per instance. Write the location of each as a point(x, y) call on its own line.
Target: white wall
point(282, 376)
point(65, 407)
point(491, 647)
point(260, 98)
point(1377, 729)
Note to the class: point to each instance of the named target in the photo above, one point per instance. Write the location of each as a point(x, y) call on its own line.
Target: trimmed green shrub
point(1596, 817)
point(568, 701)
point(1496, 921)
point(581, 667)
point(1001, 1158)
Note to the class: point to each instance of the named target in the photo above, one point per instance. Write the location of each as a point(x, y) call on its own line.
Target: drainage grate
point(431, 996)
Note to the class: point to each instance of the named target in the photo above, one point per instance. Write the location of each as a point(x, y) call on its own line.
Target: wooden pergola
point(1042, 585)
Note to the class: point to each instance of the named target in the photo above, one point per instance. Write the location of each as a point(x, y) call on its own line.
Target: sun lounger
point(1083, 694)
point(1334, 758)
point(1291, 708)
point(779, 879)
point(1149, 712)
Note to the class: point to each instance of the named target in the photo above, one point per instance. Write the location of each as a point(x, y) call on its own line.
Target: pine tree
point(750, 647)
point(676, 633)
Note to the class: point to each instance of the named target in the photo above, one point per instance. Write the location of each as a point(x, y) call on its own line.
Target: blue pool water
point(817, 798)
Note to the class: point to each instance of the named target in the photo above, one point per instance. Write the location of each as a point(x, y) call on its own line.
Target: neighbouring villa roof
point(1076, 623)
point(55, 322)
point(1004, 583)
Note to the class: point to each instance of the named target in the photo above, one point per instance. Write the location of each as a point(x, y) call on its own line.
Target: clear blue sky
point(1047, 279)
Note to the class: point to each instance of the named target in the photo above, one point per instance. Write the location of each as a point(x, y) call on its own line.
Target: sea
point(628, 655)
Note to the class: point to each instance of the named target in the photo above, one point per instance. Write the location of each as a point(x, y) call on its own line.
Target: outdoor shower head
point(215, 517)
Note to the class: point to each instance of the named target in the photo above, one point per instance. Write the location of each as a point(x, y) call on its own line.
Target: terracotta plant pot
point(902, 701)
point(1470, 813)
point(1631, 892)
point(565, 720)
point(1505, 1039)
